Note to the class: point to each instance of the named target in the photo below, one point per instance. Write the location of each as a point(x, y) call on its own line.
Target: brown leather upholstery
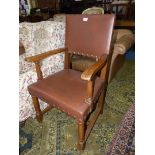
point(91, 37)
point(70, 91)
point(56, 90)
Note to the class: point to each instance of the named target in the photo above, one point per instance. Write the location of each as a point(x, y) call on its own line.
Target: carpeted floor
point(57, 134)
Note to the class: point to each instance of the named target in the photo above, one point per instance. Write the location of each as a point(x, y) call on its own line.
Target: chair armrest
point(24, 66)
point(42, 56)
point(90, 72)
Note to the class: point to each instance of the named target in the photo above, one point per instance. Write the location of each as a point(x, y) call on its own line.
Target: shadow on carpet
point(57, 134)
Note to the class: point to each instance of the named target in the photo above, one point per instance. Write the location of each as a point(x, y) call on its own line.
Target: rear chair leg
point(100, 104)
point(101, 101)
point(81, 136)
point(39, 114)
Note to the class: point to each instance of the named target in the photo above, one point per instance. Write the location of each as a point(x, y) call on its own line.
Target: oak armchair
point(71, 91)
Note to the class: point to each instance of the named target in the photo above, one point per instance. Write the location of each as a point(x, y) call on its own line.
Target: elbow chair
point(71, 91)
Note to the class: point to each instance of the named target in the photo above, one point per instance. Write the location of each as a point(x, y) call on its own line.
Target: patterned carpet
point(57, 134)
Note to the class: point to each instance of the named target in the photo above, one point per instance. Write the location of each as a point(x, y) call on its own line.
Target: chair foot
point(101, 101)
point(39, 117)
point(81, 146)
point(101, 112)
point(81, 136)
point(101, 104)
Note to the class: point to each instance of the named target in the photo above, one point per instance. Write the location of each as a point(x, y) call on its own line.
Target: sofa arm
point(123, 44)
point(24, 66)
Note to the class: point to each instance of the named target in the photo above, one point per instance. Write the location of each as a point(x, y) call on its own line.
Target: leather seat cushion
point(66, 91)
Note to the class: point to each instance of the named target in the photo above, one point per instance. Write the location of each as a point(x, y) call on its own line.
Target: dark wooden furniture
point(76, 7)
point(47, 4)
point(44, 10)
point(106, 4)
point(122, 9)
point(37, 15)
point(125, 24)
point(31, 18)
point(70, 91)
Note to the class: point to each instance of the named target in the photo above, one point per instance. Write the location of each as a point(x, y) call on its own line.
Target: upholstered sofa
point(37, 38)
point(47, 35)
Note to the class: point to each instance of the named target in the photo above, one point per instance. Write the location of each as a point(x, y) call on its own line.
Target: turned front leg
point(81, 136)
point(39, 114)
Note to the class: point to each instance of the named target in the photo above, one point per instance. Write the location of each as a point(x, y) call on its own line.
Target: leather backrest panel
point(89, 34)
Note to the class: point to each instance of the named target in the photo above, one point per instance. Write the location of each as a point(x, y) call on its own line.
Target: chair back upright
point(89, 35)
